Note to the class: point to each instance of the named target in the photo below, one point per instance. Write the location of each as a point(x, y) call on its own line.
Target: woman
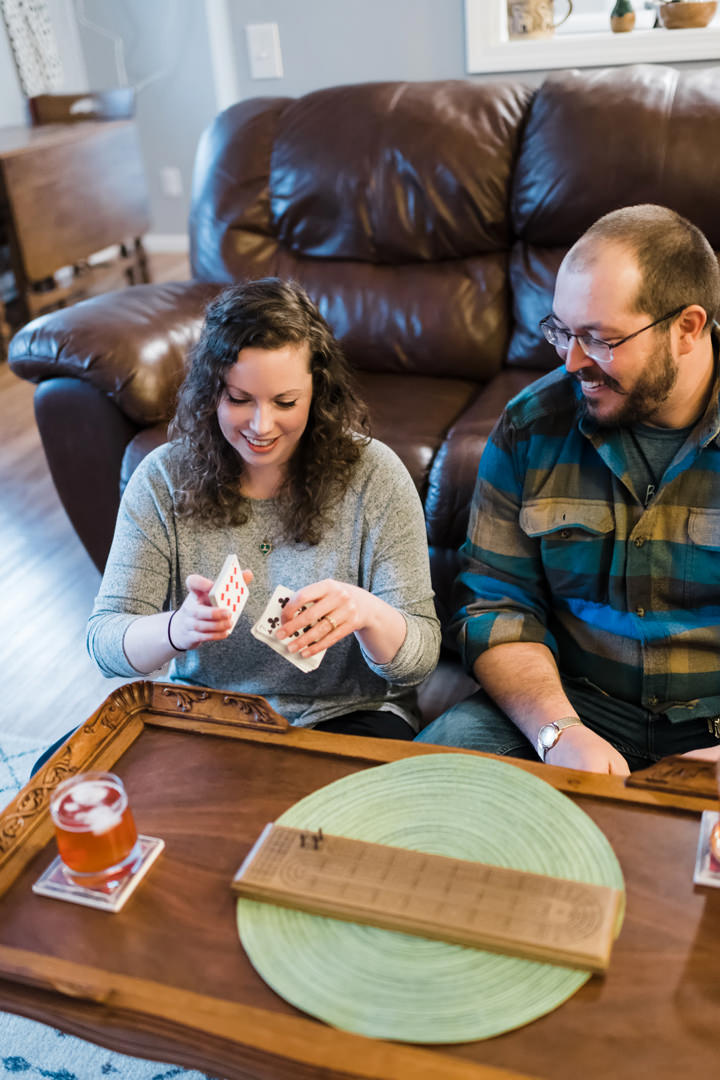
point(270, 458)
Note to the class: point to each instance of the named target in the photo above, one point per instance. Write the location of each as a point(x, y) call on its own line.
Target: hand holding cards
point(229, 590)
point(265, 630)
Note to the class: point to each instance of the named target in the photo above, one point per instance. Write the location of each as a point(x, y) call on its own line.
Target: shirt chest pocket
point(576, 540)
point(702, 577)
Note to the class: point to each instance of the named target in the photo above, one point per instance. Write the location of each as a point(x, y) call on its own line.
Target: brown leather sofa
point(426, 219)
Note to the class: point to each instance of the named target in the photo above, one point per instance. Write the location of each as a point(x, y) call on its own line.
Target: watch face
point(548, 735)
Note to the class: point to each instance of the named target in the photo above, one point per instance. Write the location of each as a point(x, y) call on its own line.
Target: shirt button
point(653, 700)
point(640, 541)
point(640, 611)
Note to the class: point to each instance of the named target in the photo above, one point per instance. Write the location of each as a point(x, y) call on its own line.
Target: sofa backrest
point(428, 220)
point(595, 141)
point(388, 201)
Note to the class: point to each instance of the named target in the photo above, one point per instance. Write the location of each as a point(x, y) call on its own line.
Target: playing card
point(266, 626)
point(269, 623)
point(229, 590)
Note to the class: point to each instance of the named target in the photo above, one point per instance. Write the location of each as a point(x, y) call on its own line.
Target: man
point(590, 588)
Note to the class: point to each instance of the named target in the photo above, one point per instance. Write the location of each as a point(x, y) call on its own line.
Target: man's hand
point(580, 748)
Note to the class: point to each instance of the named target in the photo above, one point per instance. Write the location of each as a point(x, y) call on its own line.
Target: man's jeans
point(642, 737)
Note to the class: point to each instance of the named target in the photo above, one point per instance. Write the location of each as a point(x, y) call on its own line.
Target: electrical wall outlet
point(263, 42)
point(171, 181)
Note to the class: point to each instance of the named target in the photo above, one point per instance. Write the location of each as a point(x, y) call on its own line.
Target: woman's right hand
point(196, 620)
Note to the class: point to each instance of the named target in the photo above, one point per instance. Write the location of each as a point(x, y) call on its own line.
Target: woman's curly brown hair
point(268, 314)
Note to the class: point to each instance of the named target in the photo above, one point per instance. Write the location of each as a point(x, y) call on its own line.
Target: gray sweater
point(377, 542)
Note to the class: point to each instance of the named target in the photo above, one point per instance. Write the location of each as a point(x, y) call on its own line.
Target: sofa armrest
point(129, 345)
point(108, 368)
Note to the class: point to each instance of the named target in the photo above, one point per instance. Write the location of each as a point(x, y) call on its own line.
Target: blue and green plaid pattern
point(561, 550)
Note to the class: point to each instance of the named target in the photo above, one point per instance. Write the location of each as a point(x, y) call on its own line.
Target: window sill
point(489, 50)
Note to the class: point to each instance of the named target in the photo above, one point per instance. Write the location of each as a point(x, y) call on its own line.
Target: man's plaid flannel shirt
point(561, 550)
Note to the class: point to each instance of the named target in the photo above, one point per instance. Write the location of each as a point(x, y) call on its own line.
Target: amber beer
point(95, 831)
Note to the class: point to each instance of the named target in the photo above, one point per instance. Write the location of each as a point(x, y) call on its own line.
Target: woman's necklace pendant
point(266, 546)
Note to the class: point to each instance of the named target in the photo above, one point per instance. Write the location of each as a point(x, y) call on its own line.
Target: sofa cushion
point(146, 440)
point(410, 414)
point(397, 226)
point(404, 186)
point(449, 319)
point(595, 141)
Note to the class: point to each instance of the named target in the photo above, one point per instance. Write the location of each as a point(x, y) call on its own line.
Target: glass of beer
point(95, 831)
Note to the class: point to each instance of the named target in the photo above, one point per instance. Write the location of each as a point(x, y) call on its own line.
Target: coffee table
point(167, 977)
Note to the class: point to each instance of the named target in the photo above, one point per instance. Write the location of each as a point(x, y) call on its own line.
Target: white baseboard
point(167, 243)
point(154, 244)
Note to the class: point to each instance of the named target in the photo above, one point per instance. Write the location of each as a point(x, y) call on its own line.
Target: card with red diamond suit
point(230, 590)
point(269, 622)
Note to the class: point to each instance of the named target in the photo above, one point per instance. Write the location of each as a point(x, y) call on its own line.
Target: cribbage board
point(503, 910)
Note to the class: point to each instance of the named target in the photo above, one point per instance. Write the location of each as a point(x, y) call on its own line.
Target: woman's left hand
point(338, 609)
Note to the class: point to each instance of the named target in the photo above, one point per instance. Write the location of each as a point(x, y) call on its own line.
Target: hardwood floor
point(48, 581)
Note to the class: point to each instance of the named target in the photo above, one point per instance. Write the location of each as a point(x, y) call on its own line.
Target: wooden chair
point(118, 104)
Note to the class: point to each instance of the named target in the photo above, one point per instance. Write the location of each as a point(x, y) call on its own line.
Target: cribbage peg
point(302, 839)
point(317, 839)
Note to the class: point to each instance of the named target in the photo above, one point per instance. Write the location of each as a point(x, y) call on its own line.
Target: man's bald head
point(676, 263)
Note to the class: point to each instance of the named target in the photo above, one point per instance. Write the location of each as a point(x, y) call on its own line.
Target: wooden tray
point(167, 977)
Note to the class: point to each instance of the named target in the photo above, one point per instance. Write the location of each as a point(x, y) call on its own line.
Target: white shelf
point(488, 48)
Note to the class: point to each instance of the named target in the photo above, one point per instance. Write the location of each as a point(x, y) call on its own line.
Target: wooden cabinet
point(68, 191)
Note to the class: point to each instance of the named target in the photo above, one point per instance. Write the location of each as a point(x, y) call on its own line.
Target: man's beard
point(651, 390)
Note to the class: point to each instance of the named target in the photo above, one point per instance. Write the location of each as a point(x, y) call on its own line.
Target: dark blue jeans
point(642, 737)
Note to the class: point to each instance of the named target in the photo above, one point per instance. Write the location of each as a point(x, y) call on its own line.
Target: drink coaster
point(54, 884)
point(707, 868)
point(391, 985)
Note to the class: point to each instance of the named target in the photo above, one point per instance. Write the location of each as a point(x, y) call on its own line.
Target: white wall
point(323, 42)
point(12, 100)
point(168, 57)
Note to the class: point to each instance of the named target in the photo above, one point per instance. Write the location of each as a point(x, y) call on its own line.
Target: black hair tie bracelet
point(172, 643)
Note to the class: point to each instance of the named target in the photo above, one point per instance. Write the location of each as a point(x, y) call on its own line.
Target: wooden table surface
point(167, 977)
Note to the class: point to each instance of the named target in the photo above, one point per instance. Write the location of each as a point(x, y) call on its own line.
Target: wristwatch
point(549, 734)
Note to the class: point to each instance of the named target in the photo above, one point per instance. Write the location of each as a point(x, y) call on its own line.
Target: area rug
point(32, 1051)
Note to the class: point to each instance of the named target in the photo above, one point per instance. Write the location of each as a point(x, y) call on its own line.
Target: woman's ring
point(331, 621)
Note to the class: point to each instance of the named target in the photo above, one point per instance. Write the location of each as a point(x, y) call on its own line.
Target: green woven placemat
point(395, 986)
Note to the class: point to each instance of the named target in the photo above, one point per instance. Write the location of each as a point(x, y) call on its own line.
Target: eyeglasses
point(594, 348)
